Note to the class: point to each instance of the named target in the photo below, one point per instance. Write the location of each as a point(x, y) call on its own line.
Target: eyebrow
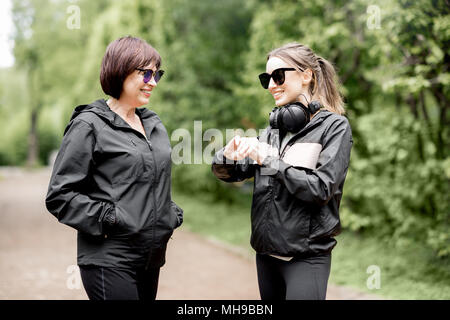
point(141, 69)
point(281, 68)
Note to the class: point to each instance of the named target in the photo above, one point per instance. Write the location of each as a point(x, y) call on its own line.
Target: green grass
point(406, 273)
point(227, 223)
point(409, 272)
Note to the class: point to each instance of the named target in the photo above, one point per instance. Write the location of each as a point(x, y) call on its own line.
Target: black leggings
point(103, 283)
point(302, 278)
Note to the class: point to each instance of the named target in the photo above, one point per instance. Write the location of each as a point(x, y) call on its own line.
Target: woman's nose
point(272, 84)
point(152, 82)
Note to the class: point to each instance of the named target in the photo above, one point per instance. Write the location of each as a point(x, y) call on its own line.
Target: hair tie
point(320, 60)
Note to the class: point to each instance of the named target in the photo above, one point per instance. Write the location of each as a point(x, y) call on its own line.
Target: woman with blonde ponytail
point(299, 165)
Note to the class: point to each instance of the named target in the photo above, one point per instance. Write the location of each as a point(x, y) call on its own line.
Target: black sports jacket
point(113, 185)
point(295, 210)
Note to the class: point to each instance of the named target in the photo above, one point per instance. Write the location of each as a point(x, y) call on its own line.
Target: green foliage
point(195, 179)
point(408, 273)
point(224, 221)
point(397, 187)
point(14, 120)
point(50, 128)
point(201, 43)
point(14, 140)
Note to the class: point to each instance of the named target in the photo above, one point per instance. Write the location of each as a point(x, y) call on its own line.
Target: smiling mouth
point(146, 92)
point(276, 95)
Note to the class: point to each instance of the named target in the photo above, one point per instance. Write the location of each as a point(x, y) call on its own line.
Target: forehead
point(151, 66)
point(275, 63)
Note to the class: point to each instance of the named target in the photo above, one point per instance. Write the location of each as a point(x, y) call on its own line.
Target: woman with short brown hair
point(111, 180)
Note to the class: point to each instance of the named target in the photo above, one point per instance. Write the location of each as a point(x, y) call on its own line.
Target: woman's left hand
point(255, 150)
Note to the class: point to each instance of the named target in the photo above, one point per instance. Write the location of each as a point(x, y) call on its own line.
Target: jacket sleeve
point(71, 171)
point(230, 170)
point(179, 212)
point(319, 185)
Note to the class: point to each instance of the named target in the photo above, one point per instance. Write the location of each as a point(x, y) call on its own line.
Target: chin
point(280, 103)
point(142, 101)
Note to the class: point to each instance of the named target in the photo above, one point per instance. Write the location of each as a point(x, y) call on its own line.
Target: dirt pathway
point(38, 254)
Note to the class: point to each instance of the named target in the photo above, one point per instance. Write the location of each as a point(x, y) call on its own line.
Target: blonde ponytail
point(328, 91)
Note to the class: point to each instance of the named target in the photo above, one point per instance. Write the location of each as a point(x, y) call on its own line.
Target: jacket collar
point(100, 108)
point(316, 121)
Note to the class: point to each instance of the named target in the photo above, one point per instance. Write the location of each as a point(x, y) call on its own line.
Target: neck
point(122, 108)
point(304, 98)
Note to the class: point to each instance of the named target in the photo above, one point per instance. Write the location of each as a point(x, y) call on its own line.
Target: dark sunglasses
point(148, 73)
point(277, 76)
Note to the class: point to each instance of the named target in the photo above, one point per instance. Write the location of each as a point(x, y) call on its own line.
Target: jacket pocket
point(123, 225)
point(165, 225)
point(294, 235)
point(108, 219)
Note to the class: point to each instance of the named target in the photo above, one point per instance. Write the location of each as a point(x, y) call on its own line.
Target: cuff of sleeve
point(180, 217)
point(179, 213)
point(273, 165)
point(109, 219)
point(270, 166)
point(219, 158)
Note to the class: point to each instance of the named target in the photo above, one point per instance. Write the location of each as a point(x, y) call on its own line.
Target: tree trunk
point(444, 106)
point(33, 143)
point(412, 101)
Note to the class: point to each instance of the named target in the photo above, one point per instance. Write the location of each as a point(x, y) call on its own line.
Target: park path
point(38, 254)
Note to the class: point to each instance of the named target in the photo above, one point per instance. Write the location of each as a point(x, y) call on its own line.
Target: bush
point(50, 133)
point(396, 185)
point(14, 140)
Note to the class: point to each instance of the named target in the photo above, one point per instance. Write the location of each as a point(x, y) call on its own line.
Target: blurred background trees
point(392, 58)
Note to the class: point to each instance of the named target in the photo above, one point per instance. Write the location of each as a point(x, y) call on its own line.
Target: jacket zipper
point(154, 200)
point(292, 140)
point(270, 208)
point(149, 144)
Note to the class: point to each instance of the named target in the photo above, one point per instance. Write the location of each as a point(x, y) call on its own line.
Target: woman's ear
point(306, 77)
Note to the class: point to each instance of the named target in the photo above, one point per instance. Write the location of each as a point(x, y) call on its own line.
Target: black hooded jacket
point(113, 185)
point(295, 210)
